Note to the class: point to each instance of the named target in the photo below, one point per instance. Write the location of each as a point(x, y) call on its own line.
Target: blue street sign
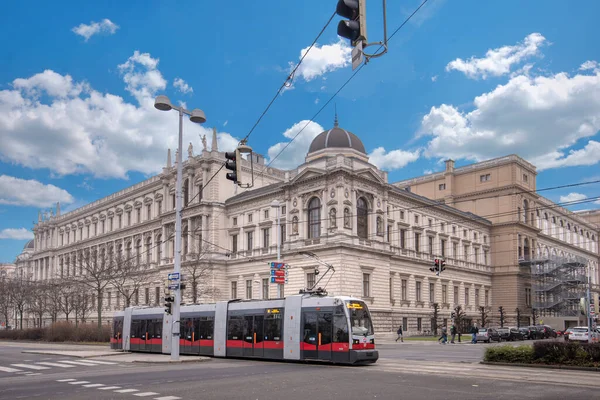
point(174, 276)
point(277, 265)
point(173, 286)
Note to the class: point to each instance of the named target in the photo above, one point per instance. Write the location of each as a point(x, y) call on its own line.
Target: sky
point(467, 80)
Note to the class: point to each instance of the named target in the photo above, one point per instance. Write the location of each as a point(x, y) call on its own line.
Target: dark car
point(535, 333)
point(547, 331)
point(527, 333)
point(509, 334)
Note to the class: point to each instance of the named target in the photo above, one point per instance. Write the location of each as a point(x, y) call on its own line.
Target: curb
point(50, 353)
point(543, 366)
point(171, 361)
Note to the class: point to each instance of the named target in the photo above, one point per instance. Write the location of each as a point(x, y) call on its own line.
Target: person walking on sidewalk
point(444, 337)
point(399, 332)
point(474, 331)
point(452, 333)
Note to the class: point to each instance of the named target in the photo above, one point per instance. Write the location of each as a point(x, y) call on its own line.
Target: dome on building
point(336, 138)
point(29, 245)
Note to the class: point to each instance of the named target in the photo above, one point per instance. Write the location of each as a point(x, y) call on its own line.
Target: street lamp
point(163, 103)
point(276, 204)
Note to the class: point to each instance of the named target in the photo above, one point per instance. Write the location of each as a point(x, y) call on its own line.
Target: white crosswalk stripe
point(93, 385)
point(7, 369)
point(52, 364)
point(66, 380)
point(109, 387)
point(78, 382)
point(145, 394)
point(167, 398)
point(85, 363)
point(30, 366)
point(99, 362)
point(126, 391)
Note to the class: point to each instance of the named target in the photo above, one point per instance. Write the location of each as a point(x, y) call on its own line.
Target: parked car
point(487, 335)
point(509, 334)
point(581, 333)
point(527, 333)
point(567, 332)
point(535, 332)
point(547, 331)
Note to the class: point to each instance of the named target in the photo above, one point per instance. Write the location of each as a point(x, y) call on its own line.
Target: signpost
point(279, 273)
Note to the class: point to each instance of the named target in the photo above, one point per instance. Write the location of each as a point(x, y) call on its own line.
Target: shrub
point(509, 354)
point(61, 332)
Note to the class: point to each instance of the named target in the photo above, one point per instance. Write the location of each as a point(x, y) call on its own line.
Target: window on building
point(283, 210)
point(419, 324)
point(314, 218)
point(87, 234)
point(416, 219)
point(109, 299)
point(443, 247)
point(389, 233)
point(266, 237)
point(200, 193)
point(404, 289)
point(120, 218)
point(159, 207)
point(485, 257)
point(432, 292)
point(173, 200)
point(310, 280)
point(159, 248)
point(417, 242)
point(366, 285)
point(467, 296)
point(443, 227)
point(454, 249)
point(418, 290)
point(484, 239)
point(466, 253)
point(464, 233)
point(484, 178)
point(101, 226)
point(266, 214)
point(487, 298)
point(442, 186)
point(149, 212)
point(138, 215)
point(402, 238)
point(234, 290)
point(249, 240)
point(234, 243)
point(455, 294)
point(475, 255)
point(430, 244)
point(474, 235)
point(249, 289)
point(444, 294)
point(283, 233)
point(95, 229)
point(362, 213)
point(525, 177)
point(404, 324)
point(128, 218)
point(265, 288)
point(528, 297)
point(234, 221)
point(249, 218)
point(147, 296)
point(477, 297)
point(391, 288)
point(157, 295)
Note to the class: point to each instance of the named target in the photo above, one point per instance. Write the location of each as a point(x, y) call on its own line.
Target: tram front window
point(360, 319)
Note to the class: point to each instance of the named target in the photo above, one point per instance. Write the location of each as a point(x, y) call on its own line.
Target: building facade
point(380, 238)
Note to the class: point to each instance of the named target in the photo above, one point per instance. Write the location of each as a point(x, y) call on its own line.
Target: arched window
point(128, 251)
point(149, 250)
point(314, 218)
point(184, 241)
point(138, 251)
point(362, 211)
point(159, 249)
point(525, 210)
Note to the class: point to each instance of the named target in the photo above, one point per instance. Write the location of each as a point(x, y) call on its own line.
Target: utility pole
point(589, 304)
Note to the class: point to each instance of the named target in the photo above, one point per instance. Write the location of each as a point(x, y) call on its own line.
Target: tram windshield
point(360, 319)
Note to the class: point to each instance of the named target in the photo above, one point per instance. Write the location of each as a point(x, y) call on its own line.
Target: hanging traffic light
point(168, 304)
point(234, 163)
point(434, 267)
point(442, 265)
point(355, 28)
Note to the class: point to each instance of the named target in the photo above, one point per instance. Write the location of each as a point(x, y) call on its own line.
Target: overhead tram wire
point(289, 78)
point(344, 85)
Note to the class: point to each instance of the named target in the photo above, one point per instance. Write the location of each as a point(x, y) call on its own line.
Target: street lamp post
point(277, 205)
point(163, 103)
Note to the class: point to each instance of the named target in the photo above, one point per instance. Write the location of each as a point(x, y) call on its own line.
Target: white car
point(580, 333)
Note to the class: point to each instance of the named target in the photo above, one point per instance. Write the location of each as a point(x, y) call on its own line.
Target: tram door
point(317, 335)
point(146, 335)
point(117, 334)
point(253, 335)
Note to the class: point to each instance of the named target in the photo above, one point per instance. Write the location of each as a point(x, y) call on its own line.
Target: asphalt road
point(399, 374)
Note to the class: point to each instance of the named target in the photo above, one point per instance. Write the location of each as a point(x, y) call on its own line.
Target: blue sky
point(469, 80)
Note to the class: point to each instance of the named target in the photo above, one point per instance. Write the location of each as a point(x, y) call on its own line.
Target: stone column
point(353, 214)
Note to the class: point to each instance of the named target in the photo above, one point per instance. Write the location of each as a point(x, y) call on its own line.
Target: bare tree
point(95, 272)
point(20, 292)
point(82, 306)
point(197, 273)
point(484, 316)
point(129, 276)
point(6, 302)
point(37, 302)
point(54, 295)
point(66, 300)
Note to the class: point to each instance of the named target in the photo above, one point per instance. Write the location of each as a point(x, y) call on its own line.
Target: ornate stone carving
point(295, 202)
point(333, 218)
point(332, 193)
point(294, 225)
point(347, 218)
point(346, 193)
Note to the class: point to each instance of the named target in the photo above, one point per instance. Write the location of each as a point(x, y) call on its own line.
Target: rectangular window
point(234, 221)
point(265, 288)
point(528, 296)
point(475, 254)
point(464, 233)
point(475, 236)
point(466, 253)
point(266, 237)
point(234, 243)
point(102, 227)
point(418, 290)
point(525, 177)
point(157, 295)
point(234, 290)
point(417, 242)
point(310, 280)
point(404, 324)
point(129, 218)
point(455, 294)
point(419, 324)
point(402, 215)
point(404, 289)
point(430, 240)
point(467, 296)
point(149, 212)
point(95, 229)
point(110, 224)
point(416, 219)
point(139, 215)
point(402, 238)
point(477, 297)
point(445, 294)
point(88, 232)
point(147, 296)
point(487, 298)
point(391, 288)
point(454, 250)
point(159, 208)
point(443, 247)
point(249, 218)
point(366, 285)
point(442, 186)
point(200, 193)
point(266, 214)
point(484, 178)
point(283, 233)
point(443, 227)
point(249, 240)
point(485, 257)
point(432, 292)
point(454, 230)
point(283, 210)
point(389, 233)
point(109, 299)
point(120, 221)
point(249, 289)
point(430, 222)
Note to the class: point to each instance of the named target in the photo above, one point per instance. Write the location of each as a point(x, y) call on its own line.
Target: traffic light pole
point(589, 306)
point(177, 254)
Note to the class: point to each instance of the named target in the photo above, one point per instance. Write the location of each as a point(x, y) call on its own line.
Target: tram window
point(135, 328)
point(206, 327)
point(325, 327)
point(340, 329)
point(157, 328)
point(186, 328)
point(272, 328)
point(149, 334)
point(235, 327)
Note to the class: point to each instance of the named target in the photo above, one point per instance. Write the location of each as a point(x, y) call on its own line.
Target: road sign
point(279, 272)
point(277, 265)
point(174, 286)
point(279, 279)
point(174, 276)
point(357, 55)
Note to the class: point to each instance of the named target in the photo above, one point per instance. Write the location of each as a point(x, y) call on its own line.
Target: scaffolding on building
point(558, 285)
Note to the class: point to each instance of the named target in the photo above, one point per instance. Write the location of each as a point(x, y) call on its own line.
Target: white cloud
point(87, 31)
point(317, 100)
point(498, 61)
point(539, 118)
point(323, 59)
point(295, 153)
point(16, 234)
point(225, 123)
point(434, 78)
point(572, 197)
point(75, 129)
point(22, 192)
point(394, 159)
point(428, 172)
point(182, 86)
point(590, 65)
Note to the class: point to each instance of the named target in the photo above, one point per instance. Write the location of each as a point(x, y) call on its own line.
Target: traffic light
point(355, 28)
point(168, 304)
point(442, 265)
point(436, 267)
point(234, 164)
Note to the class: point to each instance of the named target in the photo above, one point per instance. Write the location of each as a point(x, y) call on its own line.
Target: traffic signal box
point(355, 27)
point(234, 163)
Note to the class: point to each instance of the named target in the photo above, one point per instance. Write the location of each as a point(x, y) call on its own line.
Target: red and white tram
point(302, 327)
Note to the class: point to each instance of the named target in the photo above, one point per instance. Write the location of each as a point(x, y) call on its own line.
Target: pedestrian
point(444, 337)
point(474, 331)
point(399, 332)
point(453, 333)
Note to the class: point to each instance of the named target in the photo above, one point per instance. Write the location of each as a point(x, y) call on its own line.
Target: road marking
point(109, 387)
point(126, 391)
point(7, 369)
point(66, 380)
point(29, 366)
point(99, 362)
point(93, 385)
point(88, 364)
point(34, 373)
point(146, 394)
point(167, 398)
point(51, 364)
point(78, 382)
